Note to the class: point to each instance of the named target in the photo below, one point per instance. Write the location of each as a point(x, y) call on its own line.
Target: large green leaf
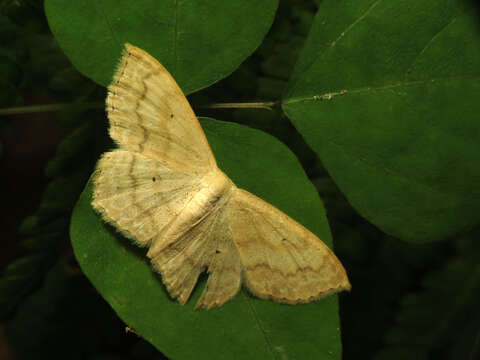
point(246, 327)
point(199, 42)
point(387, 95)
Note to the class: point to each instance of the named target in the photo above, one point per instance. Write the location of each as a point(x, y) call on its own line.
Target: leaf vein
point(368, 89)
point(339, 37)
point(409, 68)
point(110, 28)
point(259, 324)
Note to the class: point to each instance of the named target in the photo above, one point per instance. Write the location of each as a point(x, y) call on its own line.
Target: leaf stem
point(50, 107)
point(269, 105)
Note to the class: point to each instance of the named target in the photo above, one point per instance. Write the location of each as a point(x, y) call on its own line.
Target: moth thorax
point(215, 189)
point(213, 192)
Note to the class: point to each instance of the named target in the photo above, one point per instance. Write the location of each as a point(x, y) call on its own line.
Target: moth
point(162, 188)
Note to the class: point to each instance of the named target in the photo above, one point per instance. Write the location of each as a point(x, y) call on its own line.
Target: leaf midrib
point(369, 89)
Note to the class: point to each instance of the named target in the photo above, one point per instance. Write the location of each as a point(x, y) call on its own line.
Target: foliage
point(44, 234)
point(451, 293)
point(65, 297)
point(245, 325)
point(32, 61)
point(394, 122)
point(383, 101)
point(183, 36)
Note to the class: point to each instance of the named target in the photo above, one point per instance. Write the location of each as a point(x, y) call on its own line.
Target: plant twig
point(50, 107)
point(269, 105)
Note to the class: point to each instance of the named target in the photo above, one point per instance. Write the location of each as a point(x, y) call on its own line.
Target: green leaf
point(246, 327)
point(386, 93)
point(199, 42)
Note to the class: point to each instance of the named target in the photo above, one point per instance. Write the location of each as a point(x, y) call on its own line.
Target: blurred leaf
point(44, 241)
point(10, 72)
point(9, 69)
point(43, 233)
point(8, 29)
point(382, 270)
point(61, 193)
point(71, 81)
point(38, 224)
point(44, 60)
point(20, 278)
point(67, 320)
point(246, 327)
point(31, 63)
point(435, 317)
point(70, 151)
point(387, 95)
point(199, 42)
